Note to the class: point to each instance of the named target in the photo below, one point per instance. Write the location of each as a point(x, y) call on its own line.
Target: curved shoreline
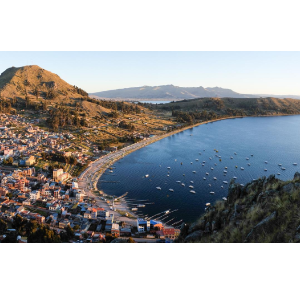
point(96, 169)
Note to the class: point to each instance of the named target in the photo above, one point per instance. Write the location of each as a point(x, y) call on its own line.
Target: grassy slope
point(267, 210)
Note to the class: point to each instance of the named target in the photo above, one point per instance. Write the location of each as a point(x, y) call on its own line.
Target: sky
point(244, 72)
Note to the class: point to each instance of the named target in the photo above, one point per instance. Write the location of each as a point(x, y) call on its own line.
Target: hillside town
point(41, 201)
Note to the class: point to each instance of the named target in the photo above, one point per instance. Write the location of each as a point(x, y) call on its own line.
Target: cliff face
point(265, 210)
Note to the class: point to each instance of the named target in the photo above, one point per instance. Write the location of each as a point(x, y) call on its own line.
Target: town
point(41, 198)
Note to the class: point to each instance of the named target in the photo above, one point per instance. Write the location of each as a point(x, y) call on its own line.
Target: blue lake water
point(272, 139)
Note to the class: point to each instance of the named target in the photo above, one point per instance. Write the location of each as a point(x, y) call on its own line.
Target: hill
point(231, 107)
point(265, 210)
point(167, 92)
point(34, 81)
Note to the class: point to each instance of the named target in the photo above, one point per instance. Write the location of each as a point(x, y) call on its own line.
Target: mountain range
point(171, 92)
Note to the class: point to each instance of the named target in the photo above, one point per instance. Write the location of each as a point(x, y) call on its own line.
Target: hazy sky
point(244, 72)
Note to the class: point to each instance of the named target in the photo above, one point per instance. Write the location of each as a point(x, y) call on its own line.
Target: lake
point(272, 139)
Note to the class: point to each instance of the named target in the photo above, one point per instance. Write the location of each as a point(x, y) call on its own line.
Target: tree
point(3, 226)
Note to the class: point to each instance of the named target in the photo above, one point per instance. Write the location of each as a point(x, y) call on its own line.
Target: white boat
point(207, 204)
point(282, 168)
point(224, 171)
point(226, 168)
point(191, 163)
point(167, 211)
point(171, 190)
point(191, 181)
point(215, 164)
point(192, 191)
point(266, 162)
point(111, 171)
point(141, 205)
point(194, 172)
point(248, 164)
point(265, 169)
point(206, 173)
point(168, 167)
point(168, 175)
point(251, 154)
point(278, 173)
point(196, 159)
point(211, 193)
point(215, 178)
point(222, 186)
point(231, 157)
point(242, 168)
point(178, 181)
point(209, 184)
point(147, 175)
point(241, 184)
point(134, 209)
point(234, 177)
point(225, 181)
point(295, 164)
point(158, 188)
point(210, 158)
point(191, 187)
point(279, 165)
point(203, 165)
point(224, 198)
point(183, 184)
point(204, 178)
point(211, 168)
point(234, 153)
point(247, 158)
point(203, 162)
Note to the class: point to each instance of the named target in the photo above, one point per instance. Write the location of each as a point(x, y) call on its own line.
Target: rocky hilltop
point(265, 210)
point(33, 81)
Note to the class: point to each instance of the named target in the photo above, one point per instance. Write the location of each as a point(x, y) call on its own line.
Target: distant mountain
point(17, 82)
point(168, 92)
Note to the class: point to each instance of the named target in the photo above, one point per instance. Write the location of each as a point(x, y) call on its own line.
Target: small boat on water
point(206, 173)
point(234, 153)
point(141, 205)
point(147, 175)
point(168, 175)
point(178, 181)
point(242, 168)
point(266, 162)
point(210, 158)
point(248, 164)
point(192, 191)
point(211, 168)
point(234, 177)
point(211, 193)
point(191, 163)
point(241, 184)
point(231, 157)
point(222, 186)
point(171, 190)
point(203, 162)
point(111, 171)
point(209, 184)
point(215, 178)
point(207, 204)
point(204, 178)
point(226, 168)
point(215, 164)
point(224, 198)
point(168, 167)
point(196, 159)
point(295, 164)
point(225, 181)
point(183, 184)
point(134, 209)
point(191, 187)
point(191, 181)
point(251, 154)
point(224, 171)
point(282, 168)
point(265, 169)
point(158, 188)
point(183, 174)
point(247, 158)
point(279, 165)
point(278, 173)
point(236, 167)
point(194, 172)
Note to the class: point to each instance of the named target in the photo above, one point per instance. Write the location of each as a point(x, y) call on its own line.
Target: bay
point(272, 139)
